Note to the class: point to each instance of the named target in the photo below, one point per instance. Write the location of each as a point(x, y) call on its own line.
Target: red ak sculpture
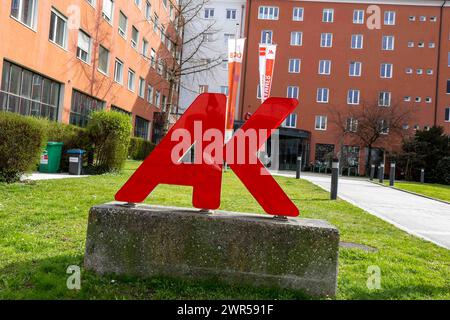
point(202, 121)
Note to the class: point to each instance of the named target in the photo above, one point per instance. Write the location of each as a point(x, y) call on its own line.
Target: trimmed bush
point(139, 148)
point(20, 145)
point(109, 133)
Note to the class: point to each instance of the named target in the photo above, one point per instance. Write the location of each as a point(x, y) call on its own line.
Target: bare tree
point(186, 38)
point(370, 125)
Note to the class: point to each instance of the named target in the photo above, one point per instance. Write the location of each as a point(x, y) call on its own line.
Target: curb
point(410, 192)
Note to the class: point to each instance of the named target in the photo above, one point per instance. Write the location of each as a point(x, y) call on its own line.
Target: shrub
point(139, 148)
point(20, 145)
point(443, 171)
point(109, 133)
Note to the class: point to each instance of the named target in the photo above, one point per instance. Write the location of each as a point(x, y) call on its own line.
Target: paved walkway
point(422, 217)
point(35, 176)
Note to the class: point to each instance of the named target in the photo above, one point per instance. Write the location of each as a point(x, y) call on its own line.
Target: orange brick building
point(62, 59)
point(328, 57)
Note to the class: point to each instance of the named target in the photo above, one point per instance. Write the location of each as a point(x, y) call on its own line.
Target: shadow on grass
point(47, 279)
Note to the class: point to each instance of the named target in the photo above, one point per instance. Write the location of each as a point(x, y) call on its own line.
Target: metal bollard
point(334, 180)
point(372, 172)
point(299, 167)
point(392, 174)
point(381, 173)
point(422, 175)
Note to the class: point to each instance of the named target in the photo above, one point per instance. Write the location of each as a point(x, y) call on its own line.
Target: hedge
point(109, 133)
point(20, 145)
point(139, 148)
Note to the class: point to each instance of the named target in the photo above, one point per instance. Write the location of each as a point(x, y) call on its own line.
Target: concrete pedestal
point(231, 247)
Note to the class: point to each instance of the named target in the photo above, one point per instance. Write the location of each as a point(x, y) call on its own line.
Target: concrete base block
point(235, 248)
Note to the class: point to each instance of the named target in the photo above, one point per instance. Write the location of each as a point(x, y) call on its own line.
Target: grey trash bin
point(75, 161)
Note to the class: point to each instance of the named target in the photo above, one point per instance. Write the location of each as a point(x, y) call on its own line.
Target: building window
point(152, 57)
point(268, 13)
point(418, 99)
point(386, 70)
point(208, 37)
point(326, 40)
point(384, 99)
point(410, 44)
point(428, 100)
point(155, 22)
point(409, 70)
point(108, 10)
point(123, 25)
point(322, 95)
point(297, 14)
point(120, 110)
point(431, 45)
point(296, 38)
point(82, 106)
point(228, 36)
point(357, 41)
point(258, 92)
point(208, 13)
point(353, 97)
point(224, 90)
point(266, 36)
point(131, 78)
point(158, 99)
point(149, 93)
point(144, 51)
point(292, 92)
point(118, 71)
point(325, 67)
point(25, 11)
point(231, 14)
point(141, 128)
point(355, 69)
point(290, 121)
point(388, 43)
point(422, 18)
point(134, 37)
point(430, 72)
point(84, 47)
point(28, 93)
point(389, 18)
point(328, 15)
point(407, 99)
point(384, 127)
point(447, 114)
point(141, 88)
point(321, 123)
point(103, 59)
point(358, 16)
point(351, 125)
point(419, 71)
point(58, 29)
point(412, 18)
point(203, 88)
point(294, 65)
point(148, 11)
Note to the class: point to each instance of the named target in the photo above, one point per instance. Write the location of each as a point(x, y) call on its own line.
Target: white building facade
point(226, 19)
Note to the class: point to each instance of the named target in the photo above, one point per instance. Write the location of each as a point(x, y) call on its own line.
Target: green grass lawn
point(437, 191)
point(43, 229)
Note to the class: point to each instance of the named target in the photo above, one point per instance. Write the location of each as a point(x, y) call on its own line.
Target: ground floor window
point(324, 153)
point(118, 109)
point(350, 156)
point(141, 128)
point(28, 93)
point(81, 107)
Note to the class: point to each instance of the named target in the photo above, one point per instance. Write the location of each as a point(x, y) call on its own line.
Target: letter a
point(159, 168)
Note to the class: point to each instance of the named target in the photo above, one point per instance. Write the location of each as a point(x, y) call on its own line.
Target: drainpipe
point(244, 66)
point(438, 66)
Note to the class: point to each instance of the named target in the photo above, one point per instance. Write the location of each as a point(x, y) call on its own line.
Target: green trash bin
point(51, 158)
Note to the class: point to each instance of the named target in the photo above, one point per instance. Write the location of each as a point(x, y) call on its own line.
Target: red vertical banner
point(235, 54)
